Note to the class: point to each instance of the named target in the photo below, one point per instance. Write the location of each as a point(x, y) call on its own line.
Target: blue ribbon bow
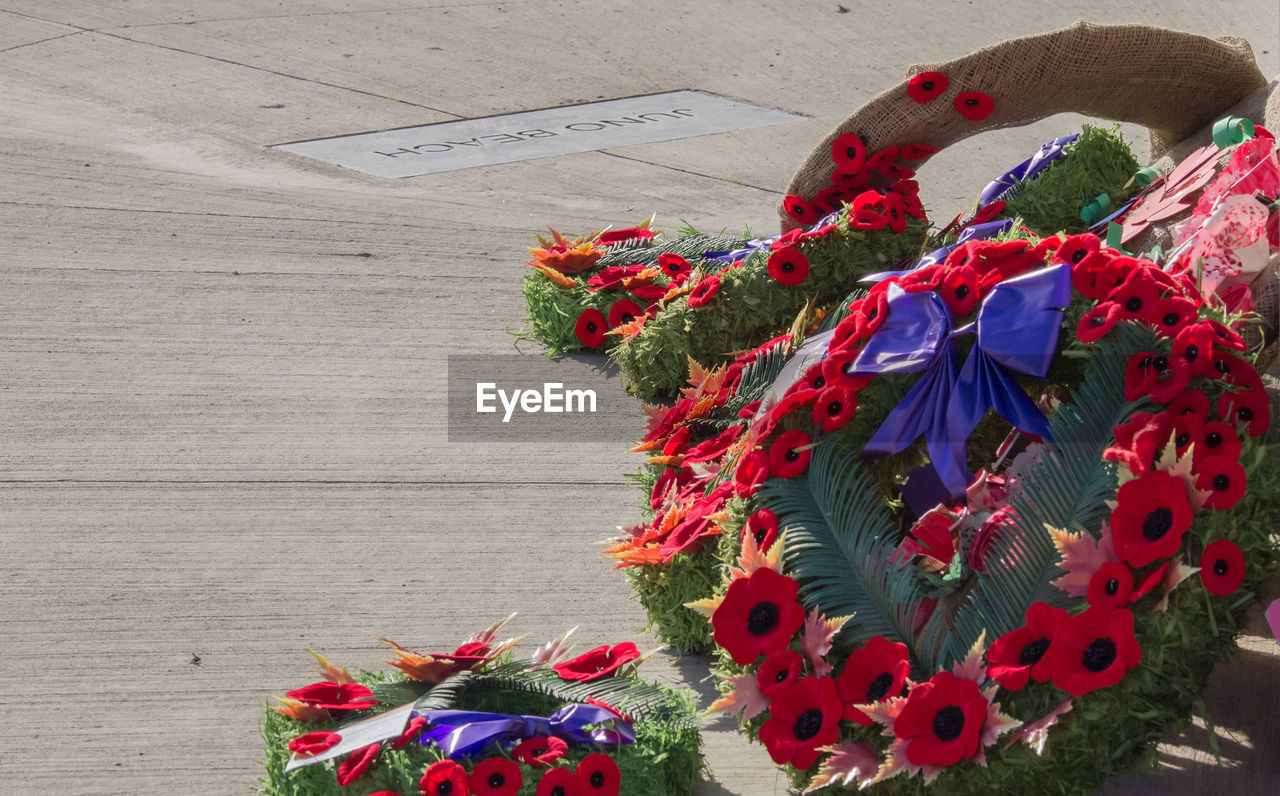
point(459, 733)
point(1017, 329)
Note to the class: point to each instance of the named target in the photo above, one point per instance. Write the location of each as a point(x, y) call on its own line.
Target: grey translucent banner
point(514, 398)
point(446, 146)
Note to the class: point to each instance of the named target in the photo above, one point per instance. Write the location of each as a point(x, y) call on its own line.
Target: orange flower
point(564, 255)
point(299, 710)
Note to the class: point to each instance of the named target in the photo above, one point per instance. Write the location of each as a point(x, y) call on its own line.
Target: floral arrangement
point(478, 721)
point(934, 596)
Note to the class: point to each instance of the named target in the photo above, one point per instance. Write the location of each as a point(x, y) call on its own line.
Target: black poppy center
point(1244, 414)
point(597, 779)
point(591, 327)
point(851, 153)
point(1213, 439)
point(1222, 482)
point(762, 618)
point(788, 266)
point(1191, 352)
point(948, 723)
point(760, 534)
point(833, 408)
point(1222, 367)
point(627, 317)
point(444, 788)
point(1099, 655)
point(782, 675)
point(1171, 318)
point(793, 455)
point(1098, 320)
point(1133, 305)
point(972, 102)
point(1111, 587)
point(1182, 439)
point(808, 725)
point(1033, 652)
point(1078, 255)
point(927, 85)
point(497, 779)
point(1157, 524)
point(962, 291)
point(819, 382)
point(558, 791)
point(879, 687)
point(1160, 363)
point(1220, 567)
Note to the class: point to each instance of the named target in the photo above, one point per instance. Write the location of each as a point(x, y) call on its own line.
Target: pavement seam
point(729, 180)
point(310, 14)
point(42, 41)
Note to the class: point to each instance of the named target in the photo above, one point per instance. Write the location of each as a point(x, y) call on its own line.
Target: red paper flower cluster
point(596, 775)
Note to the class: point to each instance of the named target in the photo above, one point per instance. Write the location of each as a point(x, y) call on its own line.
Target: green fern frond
point(1067, 488)
point(840, 539)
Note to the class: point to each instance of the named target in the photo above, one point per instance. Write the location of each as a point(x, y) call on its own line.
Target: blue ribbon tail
point(923, 410)
point(983, 385)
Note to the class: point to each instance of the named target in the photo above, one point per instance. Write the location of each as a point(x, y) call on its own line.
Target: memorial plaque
point(446, 146)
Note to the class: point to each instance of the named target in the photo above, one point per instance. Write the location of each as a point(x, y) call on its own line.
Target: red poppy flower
point(802, 717)
point(649, 292)
point(801, 210)
point(620, 235)
point(942, 720)
point(1226, 338)
point(849, 152)
point(759, 614)
point(988, 213)
point(1249, 408)
point(1194, 343)
point(1021, 655)
point(495, 776)
point(1190, 402)
point(598, 775)
point(674, 266)
point(1093, 650)
point(974, 105)
point(909, 190)
point(623, 311)
point(865, 219)
point(559, 782)
point(1098, 321)
point(411, 731)
point(874, 672)
point(788, 266)
point(1111, 585)
point(1098, 275)
point(917, 151)
point(1220, 440)
point(779, 669)
point(814, 378)
point(689, 536)
point(1140, 440)
point(1076, 248)
point(1222, 568)
point(1223, 477)
point(763, 527)
point(752, 470)
point(335, 696)
point(852, 180)
point(704, 291)
point(1188, 430)
point(590, 328)
point(539, 752)
point(313, 743)
point(921, 279)
point(789, 455)
point(926, 86)
point(1149, 582)
point(1170, 315)
point(834, 408)
point(880, 159)
point(1136, 295)
point(960, 290)
point(603, 661)
point(1151, 515)
point(1156, 375)
point(350, 769)
point(835, 374)
point(788, 238)
point(832, 196)
point(895, 210)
